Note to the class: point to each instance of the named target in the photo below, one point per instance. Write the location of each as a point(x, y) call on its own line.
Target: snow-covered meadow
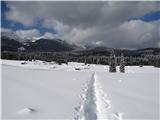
point(43, 90)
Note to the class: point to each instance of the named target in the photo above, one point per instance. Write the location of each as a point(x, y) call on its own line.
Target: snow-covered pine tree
point(122, 64)
point(85, 61)
point(20, 50)
point(112, 62)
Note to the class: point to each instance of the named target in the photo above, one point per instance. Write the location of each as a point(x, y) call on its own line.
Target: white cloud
point(49, 35)
point(133, 34)
point(78, 13)
point(16, 15)
point(91, 22)
point(27, 34)
point(99, 43)
point(59, 27)
point(6, 30)
point(130, 34)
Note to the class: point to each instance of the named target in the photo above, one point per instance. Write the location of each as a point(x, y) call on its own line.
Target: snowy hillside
point(43, 90)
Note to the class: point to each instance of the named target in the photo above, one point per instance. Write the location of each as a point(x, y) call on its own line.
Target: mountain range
point(11, 42)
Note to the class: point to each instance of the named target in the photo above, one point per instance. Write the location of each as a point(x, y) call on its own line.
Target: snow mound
point(26, 111)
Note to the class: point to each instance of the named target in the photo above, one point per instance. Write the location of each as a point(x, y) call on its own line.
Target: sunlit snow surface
point(43, 90)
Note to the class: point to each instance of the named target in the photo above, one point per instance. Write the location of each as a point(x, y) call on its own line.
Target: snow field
point(52, 94)
point(135, 96)
point(42, 90)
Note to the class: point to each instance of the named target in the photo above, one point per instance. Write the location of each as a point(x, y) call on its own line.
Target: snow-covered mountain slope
point(42, 90)
point(32, 44)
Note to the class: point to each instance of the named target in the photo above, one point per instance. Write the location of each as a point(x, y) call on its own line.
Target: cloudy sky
point(113, 24)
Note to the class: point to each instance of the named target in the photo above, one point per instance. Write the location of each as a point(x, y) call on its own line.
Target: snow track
point(94, 103)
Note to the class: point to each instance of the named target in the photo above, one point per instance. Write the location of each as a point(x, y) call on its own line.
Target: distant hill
point(11, 42)
point(49, 45)
point(8, 44)
point(41, 45)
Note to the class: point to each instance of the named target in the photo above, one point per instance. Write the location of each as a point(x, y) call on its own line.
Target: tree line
point(65, 57)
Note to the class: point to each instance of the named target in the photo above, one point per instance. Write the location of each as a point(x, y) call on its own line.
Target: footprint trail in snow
point(94, 103)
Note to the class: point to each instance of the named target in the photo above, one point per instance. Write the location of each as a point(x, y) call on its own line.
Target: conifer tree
point(122, 64)
point(112, 62)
